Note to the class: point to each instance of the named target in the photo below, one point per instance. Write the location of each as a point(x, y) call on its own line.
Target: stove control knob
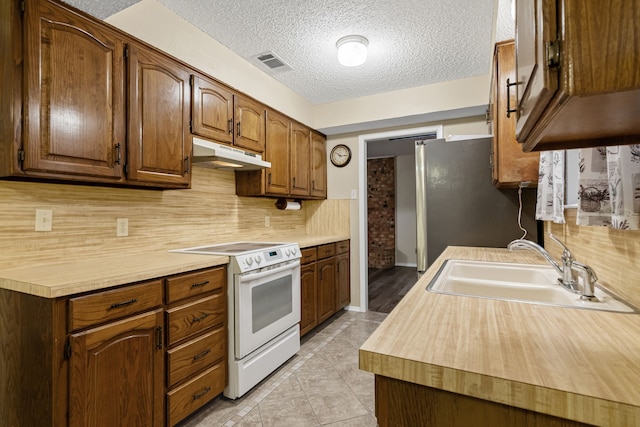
point(293, 251)
point(248, 261)
point(257, 259)
point(287, 252)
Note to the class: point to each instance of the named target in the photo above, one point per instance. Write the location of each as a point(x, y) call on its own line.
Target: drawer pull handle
point(199, 284)
point(197, 319)
point(202, 393)
point(125, 303)
point(201, 355)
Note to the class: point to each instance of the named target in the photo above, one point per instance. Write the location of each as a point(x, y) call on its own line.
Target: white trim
point(362, 200)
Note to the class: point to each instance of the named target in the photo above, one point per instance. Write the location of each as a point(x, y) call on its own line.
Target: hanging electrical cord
point(520, 210)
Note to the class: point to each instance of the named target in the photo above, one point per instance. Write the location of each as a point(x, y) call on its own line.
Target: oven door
point(266, 303)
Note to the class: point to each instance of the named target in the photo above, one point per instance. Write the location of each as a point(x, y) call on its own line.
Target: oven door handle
point(259, 275)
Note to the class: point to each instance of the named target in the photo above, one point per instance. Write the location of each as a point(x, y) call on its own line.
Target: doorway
point(384, 138)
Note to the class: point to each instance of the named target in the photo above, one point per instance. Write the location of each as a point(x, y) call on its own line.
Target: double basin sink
point(527, 283)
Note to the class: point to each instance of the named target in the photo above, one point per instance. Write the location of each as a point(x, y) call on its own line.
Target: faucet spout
point(528, 244)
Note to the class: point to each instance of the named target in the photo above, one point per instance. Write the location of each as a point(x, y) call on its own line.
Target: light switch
point(44, 219)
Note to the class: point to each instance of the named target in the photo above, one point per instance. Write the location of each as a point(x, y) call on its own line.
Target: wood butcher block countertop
point(69, 277)
point(577, 364)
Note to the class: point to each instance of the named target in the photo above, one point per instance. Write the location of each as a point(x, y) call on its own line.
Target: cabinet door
point(308, 295)
point(300, 159)
point(318, 165)
point(116, 373)
point(537, 82)
point(510, 165)
point(250, 124)
point(74, 99)
point(159, 110)
point(278, 152)
point(212, 110)
point(343, 288)
point(326, 288)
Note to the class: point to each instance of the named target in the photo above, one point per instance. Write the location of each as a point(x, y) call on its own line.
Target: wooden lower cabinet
point(404, 404)
point(343, 288)
point(116, 373)
point(114, 357)
point(326, 289)
point(308, 291)
point(325, 283)
point(196, 339)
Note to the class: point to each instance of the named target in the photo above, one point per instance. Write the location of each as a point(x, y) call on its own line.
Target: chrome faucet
point(568, 271)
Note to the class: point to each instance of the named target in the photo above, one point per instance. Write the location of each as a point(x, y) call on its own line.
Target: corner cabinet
point(578, 73)
point(159, 113)
point(510, 166)
point(147, 354)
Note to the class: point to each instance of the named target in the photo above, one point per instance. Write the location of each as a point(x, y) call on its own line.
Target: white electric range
point(264, 308)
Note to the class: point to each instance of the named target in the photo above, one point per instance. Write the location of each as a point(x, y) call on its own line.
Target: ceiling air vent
point(271, 63)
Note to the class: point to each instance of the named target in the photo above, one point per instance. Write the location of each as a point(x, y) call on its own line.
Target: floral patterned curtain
point(609, 187)
point(550, 198)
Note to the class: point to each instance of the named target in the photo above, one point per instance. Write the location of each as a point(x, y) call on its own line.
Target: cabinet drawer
point(342, 247)
point(308, 255)
point(192, 284)
point(192, 395)
point(326, 251)
point(104, 306)
point(189, 319)
point(195, 355)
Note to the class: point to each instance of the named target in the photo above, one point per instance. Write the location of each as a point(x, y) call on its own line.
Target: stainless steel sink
point(527, 283)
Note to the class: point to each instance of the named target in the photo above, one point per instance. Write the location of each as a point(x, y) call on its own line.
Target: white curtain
point(609, 187)
point(550, 198)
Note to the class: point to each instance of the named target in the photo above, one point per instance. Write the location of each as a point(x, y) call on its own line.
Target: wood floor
point(388, 286)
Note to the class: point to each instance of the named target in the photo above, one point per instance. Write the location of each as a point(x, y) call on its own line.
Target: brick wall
point(381, 198)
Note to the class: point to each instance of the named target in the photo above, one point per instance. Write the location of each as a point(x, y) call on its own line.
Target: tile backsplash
point(84, 218)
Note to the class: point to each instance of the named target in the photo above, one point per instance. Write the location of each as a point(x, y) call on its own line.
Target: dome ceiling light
point(352, 50)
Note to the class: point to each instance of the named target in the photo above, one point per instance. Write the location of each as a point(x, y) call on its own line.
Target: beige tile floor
point(320, 386)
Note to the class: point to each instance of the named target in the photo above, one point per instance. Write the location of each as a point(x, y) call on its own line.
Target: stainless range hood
point(213, 155)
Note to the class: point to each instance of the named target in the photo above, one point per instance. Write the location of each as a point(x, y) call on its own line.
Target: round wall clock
point(340, 155)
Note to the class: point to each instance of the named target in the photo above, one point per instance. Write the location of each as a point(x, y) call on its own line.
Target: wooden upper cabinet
point(318, 166)
point(578, 73)
point(300, 159)
point(250, 124)
point(74, 96)
point(116, 372)
point(510, 165)
point(159, 111)
point(278, 152)
point(212, 110)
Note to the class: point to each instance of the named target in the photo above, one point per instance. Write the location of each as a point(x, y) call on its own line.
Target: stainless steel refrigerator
point(457, 203)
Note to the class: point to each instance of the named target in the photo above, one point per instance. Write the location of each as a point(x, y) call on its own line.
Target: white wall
point(406, 211)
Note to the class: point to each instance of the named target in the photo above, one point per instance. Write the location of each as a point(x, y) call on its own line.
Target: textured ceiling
point(411, 42)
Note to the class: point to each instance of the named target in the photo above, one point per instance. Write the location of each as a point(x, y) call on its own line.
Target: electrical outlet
point(267, 221)
point(44, 219)
point(122, 227)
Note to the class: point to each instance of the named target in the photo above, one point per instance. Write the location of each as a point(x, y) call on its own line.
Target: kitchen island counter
point(576, 364)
